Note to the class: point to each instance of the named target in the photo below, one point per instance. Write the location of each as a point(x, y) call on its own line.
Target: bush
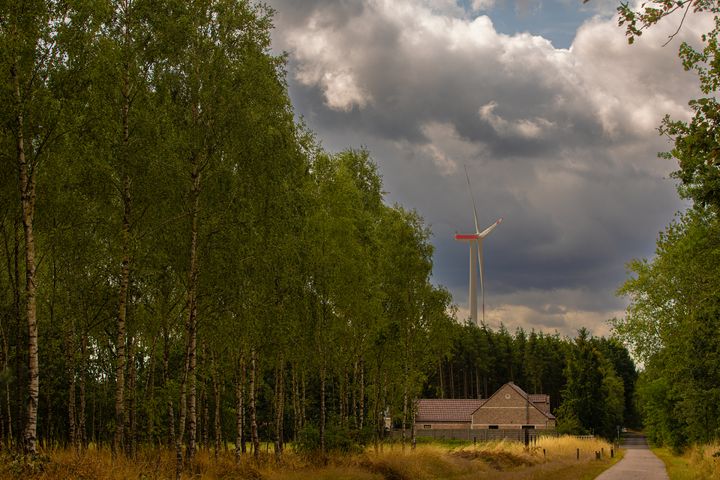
point(337, 440)
point(569, 424)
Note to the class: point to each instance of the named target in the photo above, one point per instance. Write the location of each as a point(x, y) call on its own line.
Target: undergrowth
point(549, 458)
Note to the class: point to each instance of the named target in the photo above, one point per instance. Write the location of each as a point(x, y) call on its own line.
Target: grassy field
point(696, 463)
point(551, 458)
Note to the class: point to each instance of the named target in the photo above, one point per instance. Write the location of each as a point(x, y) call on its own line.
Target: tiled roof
point(539, 397)
point(446, 410)
point(542, 402)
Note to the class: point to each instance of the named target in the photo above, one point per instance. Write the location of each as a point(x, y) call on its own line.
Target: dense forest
point(590, 380)
point(183, 264)
point(673, 322)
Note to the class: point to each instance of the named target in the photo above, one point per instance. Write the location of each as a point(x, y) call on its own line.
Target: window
point(427, 426)
point(493, 427)
point(528, 427)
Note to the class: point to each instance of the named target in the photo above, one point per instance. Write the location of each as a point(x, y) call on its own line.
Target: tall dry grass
point(699, 462)
point(549, 458)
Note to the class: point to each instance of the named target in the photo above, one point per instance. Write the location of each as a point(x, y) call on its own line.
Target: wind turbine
point(476, 256)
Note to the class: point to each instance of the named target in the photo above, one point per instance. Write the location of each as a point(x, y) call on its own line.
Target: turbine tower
point(476, 257)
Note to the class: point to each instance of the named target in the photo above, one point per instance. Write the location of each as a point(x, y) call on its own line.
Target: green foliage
point(593, 394)
point(671, 323)
point(674, 308)
point(568, 423)
point(338, 439)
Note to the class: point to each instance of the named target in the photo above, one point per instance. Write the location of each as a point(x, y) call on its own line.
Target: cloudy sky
point(553, 113)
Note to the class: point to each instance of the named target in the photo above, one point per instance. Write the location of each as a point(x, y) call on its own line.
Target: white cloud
point(528, 128)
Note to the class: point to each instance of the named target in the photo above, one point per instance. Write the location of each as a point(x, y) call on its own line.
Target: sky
point(554, 115)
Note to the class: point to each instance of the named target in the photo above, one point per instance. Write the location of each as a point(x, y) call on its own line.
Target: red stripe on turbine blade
point(463, 236)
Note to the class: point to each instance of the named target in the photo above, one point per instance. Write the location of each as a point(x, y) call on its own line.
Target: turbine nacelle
point(469, 237)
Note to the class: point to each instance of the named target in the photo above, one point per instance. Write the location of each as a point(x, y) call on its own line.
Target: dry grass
point(496, 460)
point(701, 462)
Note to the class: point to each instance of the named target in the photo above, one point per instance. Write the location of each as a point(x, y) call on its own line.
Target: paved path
point(639, 462)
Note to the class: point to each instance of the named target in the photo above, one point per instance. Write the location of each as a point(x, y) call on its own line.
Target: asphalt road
point(639, 462)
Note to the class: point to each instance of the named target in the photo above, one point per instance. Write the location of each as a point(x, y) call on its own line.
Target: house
point(509, 408)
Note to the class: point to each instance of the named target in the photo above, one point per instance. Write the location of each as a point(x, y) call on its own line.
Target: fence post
point(578, 454)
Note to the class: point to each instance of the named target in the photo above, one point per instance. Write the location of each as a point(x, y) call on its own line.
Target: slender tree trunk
point(166, 379)
point(346, 397)
point(93, 436)
point(440, 376)
point(465, 382)
point(452, 381)
point(131, 441)
point(353, 400)
point(303, 404)
point(72, 417)
point(120, 417)
point(205, 426)
point(243, 422)
point(20, 339)
point(192, 308)
point(239, 410)
point(27, 199)
point(71, 413)
point(3, 364)
point(82, 437)
point(253, 409)
point(361, 407)
point(15, 286)
point(376, 411)
point(386, 412)
point(182, 416)
point(405, 412)
point(295, 401)
point(218, 423)
point(323, 412)
point(279, 407)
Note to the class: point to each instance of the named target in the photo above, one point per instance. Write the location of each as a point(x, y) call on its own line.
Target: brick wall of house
point(441, 426)
point(508, 409)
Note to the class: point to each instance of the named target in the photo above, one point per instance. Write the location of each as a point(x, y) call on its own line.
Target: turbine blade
point(481, 266)
point(477, 228)
point(485, 232)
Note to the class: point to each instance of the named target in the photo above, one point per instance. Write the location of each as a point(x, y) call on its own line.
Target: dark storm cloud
point(560, 142)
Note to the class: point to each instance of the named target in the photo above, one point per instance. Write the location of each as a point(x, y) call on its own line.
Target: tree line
point(590, 380)
point(672, 323)
point(183, 264)
point(181, 261)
